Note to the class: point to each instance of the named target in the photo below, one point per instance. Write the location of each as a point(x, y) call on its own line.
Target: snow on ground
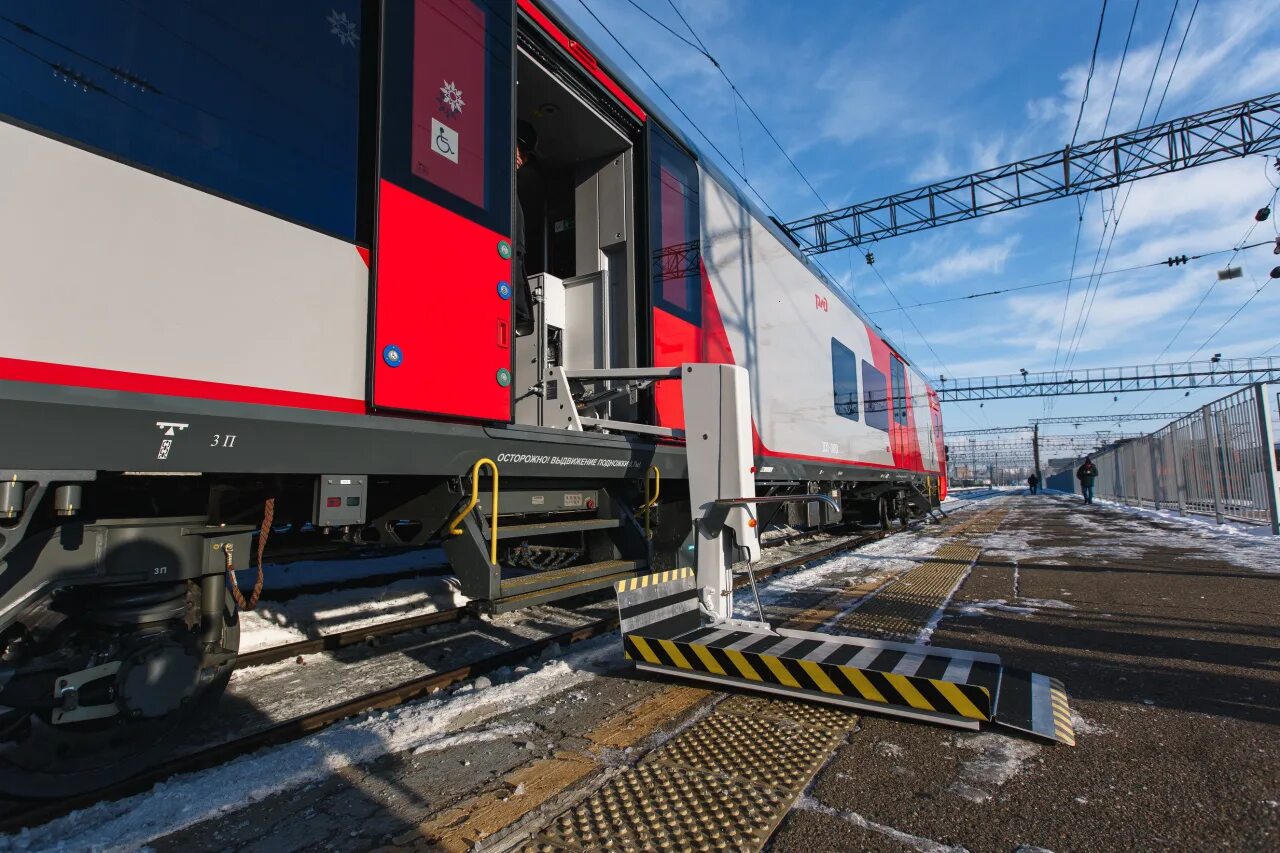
point(999, 759)
point(274, 623)
point(906, 839)
point(454, 720)
point(1248, 547)
point(418, 727)
point(885, 557)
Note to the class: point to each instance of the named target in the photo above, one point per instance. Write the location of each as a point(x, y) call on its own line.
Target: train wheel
point(884, 511)
point(128, 713)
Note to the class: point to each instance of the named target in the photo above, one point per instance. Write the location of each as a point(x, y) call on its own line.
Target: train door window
point(875, 397)
point(899, 378)
point(446, 116)
point(844, 380)
point(259, 105)
point(673, 229)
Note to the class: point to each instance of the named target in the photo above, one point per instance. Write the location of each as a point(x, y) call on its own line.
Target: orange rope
point(268, 515)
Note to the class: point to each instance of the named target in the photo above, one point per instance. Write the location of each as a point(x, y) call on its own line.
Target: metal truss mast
point(1248, 127)
point(1107, 380)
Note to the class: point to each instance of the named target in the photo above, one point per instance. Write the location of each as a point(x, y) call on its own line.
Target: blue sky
point(871, 98)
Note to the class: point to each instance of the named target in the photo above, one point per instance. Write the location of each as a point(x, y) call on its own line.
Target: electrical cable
point(1038, 284)
point(750, 108)
point(923, 339)
point(679, 109)
point(1087, 307)
point(1097, 38)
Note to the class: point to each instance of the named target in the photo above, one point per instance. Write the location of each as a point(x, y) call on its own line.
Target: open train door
point(441, 341)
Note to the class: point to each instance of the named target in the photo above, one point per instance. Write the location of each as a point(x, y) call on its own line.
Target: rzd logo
point(820, 302)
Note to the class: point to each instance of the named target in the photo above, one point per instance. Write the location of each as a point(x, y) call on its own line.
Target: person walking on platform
point(1086, 474)
point(1033, 482)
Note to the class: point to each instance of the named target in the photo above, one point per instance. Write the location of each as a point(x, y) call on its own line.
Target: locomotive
point(258, 300)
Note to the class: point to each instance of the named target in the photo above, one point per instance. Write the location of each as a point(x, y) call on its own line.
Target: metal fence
point(1219, 461)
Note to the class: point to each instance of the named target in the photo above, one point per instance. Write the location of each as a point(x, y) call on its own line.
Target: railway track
point(32, 814)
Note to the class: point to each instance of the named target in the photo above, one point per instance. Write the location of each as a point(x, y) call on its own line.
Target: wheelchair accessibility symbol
point(444, 140)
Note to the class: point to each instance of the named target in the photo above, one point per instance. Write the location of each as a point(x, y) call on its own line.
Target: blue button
point(391, 355)
point(504, 290)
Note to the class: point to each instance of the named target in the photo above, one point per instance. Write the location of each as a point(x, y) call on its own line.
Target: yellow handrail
point(455, 530)
point(651, 500)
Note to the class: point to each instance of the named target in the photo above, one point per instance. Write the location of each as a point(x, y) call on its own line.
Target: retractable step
point(547, 528)
point(663, 632)
point(541, 587)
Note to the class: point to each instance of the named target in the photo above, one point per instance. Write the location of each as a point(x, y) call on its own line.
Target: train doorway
point(578, 197)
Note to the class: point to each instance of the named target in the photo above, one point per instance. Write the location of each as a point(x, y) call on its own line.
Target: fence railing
point(1219, 460)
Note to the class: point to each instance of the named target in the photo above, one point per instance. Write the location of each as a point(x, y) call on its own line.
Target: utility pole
point(1035, 449)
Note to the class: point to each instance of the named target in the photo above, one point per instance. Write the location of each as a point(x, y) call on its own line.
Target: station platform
point(1166, 634)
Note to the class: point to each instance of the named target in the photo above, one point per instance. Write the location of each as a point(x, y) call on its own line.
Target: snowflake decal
point(343, 27)
point(451, 97)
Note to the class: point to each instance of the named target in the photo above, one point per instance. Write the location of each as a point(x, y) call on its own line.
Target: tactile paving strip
point(987, 521)
point(723, 784)
point(906, 604)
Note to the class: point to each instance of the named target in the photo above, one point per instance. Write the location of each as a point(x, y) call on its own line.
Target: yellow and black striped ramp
point(662, 632)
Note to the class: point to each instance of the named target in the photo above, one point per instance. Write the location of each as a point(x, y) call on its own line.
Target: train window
point(875, 397)
point(844, 380)
point(673, 228)
point(259, 105)
point(899, 376)
point(446, 106)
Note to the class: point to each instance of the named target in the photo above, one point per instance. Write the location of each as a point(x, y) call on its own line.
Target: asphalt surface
point(1170, 653)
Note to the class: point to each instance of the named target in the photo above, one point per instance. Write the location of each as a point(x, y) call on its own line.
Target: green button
point(504, 250)
point(504, 377)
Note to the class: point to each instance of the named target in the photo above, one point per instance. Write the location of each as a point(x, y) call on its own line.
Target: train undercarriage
point(121, 620)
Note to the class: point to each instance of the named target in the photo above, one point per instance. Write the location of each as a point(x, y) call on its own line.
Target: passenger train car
point(258, 300)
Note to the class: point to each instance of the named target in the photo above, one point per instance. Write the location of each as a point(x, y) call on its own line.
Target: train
point(258, 300)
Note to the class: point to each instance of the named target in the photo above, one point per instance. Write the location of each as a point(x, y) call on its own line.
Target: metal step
point(546, 528)
point(661, 632)
point(542, 587)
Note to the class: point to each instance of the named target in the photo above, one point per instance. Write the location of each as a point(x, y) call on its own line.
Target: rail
point(32, 814)
point(455, 530)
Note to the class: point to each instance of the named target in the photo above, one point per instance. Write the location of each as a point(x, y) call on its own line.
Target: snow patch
point(888, 750)
point(1083, 726)
point(422, 726)
point(999, 759)
point(275, 623)
point(913, 842)
point(977, 608)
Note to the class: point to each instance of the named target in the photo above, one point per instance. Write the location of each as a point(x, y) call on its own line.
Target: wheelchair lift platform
point(681, 621)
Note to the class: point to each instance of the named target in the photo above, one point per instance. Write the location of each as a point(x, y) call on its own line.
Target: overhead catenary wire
point(764, 126)
point(729, 163)
point(1240, 247)
point(1093, 60)
point(1055, 281)
point(923, 339)
point(1155, 70)
point(1091, 298)
point(1066, 302)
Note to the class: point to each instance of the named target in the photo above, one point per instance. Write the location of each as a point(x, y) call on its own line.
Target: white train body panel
point(113, 268)
point(780, 320)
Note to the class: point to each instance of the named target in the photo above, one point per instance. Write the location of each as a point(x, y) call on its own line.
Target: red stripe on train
point(46, 373)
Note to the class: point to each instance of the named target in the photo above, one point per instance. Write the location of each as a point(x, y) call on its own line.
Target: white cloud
point(932, 168)
point(966, 262)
